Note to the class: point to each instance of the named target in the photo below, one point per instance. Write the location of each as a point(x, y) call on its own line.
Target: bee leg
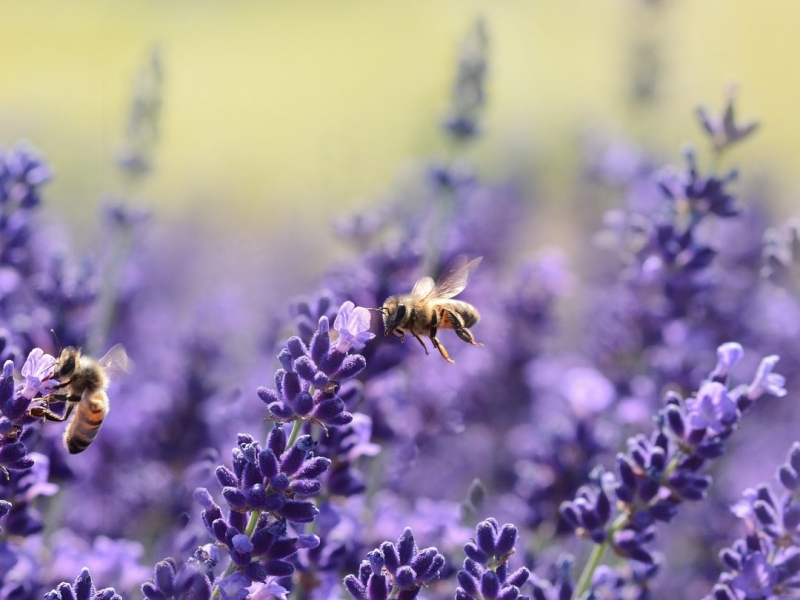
point(461, 331)
point(421, 341)
point(42, 412)
point(399, 334)
point(440, 347)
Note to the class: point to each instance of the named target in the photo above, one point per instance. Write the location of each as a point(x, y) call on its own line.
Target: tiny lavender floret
point(352, 324)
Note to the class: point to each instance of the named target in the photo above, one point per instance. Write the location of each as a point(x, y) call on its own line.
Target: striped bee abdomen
point(86, 422)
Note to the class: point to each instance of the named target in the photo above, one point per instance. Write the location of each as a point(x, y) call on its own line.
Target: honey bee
point(429, 307)
point(82, 384)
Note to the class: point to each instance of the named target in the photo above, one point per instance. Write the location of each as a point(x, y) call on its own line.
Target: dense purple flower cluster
point(765, 562)
point(395, 570)
point(485, 575)
point(308, 384)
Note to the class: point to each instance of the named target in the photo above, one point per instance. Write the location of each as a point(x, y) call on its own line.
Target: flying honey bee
point(429, 307)
point(82, 384)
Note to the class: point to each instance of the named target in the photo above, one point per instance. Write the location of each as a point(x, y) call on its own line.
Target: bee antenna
point(380, 310)
point(58, 342)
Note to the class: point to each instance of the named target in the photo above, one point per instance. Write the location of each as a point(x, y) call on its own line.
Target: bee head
point(394, 313)
point(67, 362)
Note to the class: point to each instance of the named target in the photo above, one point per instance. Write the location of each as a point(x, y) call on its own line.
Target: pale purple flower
point(37, 370)
point(269, 590)
point(352, 323)
point(756, 578)
point(766, 381)
point(712, 408)
point(234, 586)
point(727, 356)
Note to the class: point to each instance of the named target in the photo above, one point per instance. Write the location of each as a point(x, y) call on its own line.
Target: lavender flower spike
point(352, 323)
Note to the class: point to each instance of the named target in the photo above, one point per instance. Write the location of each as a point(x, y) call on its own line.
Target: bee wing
point(116, 362)
point(454, 277)
point(423, 287)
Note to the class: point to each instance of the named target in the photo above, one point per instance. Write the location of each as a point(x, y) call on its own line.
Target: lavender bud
point(490, 586)
point(378, 587)
point(405, 577)
point(278, 568)
point(298, 511)
point(296, 347)
point(355, 588)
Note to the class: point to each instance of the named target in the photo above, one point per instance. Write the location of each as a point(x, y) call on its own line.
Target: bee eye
point(68, 367)
point(401, 312)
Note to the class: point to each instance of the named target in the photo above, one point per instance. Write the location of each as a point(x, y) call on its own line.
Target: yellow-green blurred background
point(280, 110)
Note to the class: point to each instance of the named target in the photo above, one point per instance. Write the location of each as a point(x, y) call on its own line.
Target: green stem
point(298, 425)
point(595, 558)
point(251, 527)
point(107, 299)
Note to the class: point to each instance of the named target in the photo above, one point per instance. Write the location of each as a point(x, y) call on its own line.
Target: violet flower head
point(399, 569)
point(485, 575)
point(307, 387)
point(263, 552)
point(82, 589)
point(352, 324)
point(275, 478)
point(190, 580)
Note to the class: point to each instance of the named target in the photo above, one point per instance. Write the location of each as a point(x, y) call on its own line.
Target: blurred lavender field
point(628, 429)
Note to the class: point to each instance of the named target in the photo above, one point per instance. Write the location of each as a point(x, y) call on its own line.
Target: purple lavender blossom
point(307, 386)
point(399, 570)
point(485, 575)
point(82, 589)
point(657, 473)
point(765, 562)
point(277, 478)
